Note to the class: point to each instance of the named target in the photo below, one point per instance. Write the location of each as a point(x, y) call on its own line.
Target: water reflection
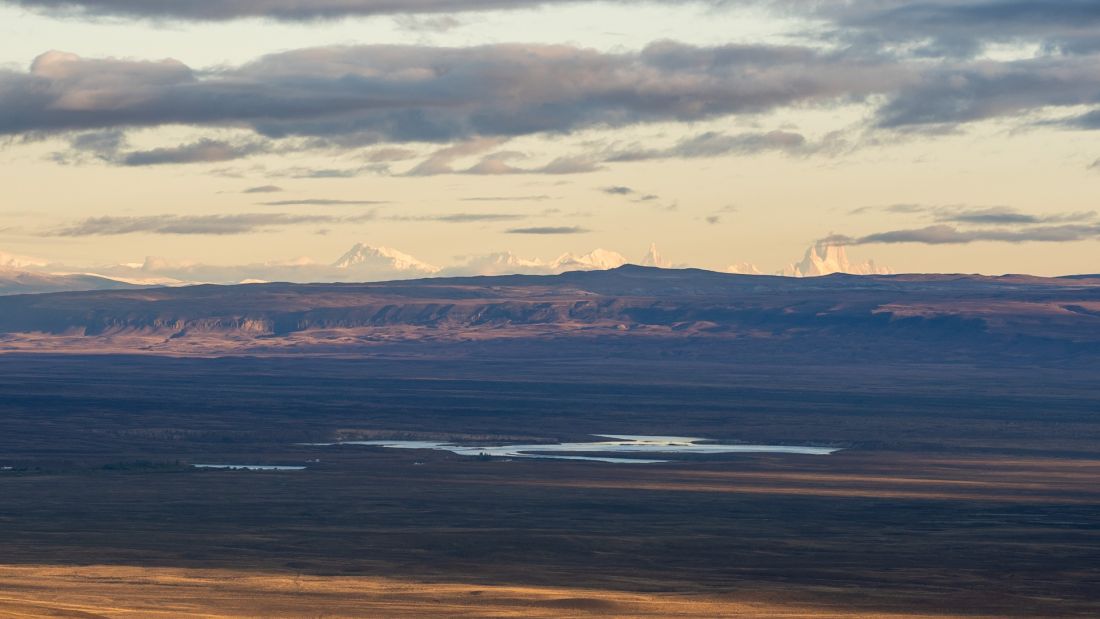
point(248, 467)
point(617, 443)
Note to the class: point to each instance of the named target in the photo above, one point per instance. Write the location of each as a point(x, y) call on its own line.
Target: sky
point(930, 135)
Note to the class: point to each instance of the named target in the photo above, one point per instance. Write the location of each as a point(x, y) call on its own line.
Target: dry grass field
point(958, 491)
point(163, 593)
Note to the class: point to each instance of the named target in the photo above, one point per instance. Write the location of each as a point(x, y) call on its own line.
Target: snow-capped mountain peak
point(596, 260)
point(827, 258)
point(382, 257)
point(653, 258)
point(744, 268)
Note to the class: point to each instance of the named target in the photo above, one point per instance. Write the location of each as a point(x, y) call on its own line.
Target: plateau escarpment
point(1053, 314)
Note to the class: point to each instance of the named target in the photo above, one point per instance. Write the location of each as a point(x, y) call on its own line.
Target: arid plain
point(964, 484)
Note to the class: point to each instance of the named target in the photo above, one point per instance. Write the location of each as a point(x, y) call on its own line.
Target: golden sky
point(932, 136)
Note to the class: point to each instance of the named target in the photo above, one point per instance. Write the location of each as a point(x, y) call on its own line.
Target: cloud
point(954, 94)
point(103, 145)
point(959, 28)
point(460, 218)
point(891, 208)
point(194, 224)
point(264, 189)
point(1089, 121)
point(1001, 215)
point(475, 99)
point(991, 215)
point(440, 161)
point(944, 234)
point(428, 23)
point(716, 144)
point(532, 198)
point(296, 270)
point(549, 230)
point(301, 172)
point(288, 10)
point(495, 164)
point(390, 153)
point(568, 165)
point(323, 202)
point(498, 163)
point(964, 27)
point(629, 191)
point(202, 151)
point(110, 146)
point(396, 94)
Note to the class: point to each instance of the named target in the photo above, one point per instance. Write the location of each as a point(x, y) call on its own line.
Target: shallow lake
point(617, 443)
point(248, 467)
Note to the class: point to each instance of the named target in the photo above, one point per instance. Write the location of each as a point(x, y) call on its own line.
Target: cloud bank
point(548, 230)
point(290, 10)
point(195, 224)
point(389, 93)
point(944, 234)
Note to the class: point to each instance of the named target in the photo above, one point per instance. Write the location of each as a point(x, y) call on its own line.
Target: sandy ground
point(111, 591)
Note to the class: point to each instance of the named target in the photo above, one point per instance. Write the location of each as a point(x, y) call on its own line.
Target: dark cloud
point(944, 234)
point(295, 10)
point(1008, 216)
point(429, 23)
point(264, 189)
point(957, 28)
point(110, 146)
point(391, 153)
point(195, 224)
point(715, 144)
point(409, 93)
point(631, 192)
point(953, 94)
point(992, 215)
point(474, 99)
point(104, 145)
point(202, 151)
point(549, 230)
point(497, 163)
point(964, 27)
point(323, 202)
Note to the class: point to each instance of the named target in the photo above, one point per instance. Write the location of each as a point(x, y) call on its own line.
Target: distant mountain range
point(364, 263)
point(936, 315)
point(14, 281)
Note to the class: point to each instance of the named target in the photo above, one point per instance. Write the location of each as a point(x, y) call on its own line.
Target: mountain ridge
point(630, 301)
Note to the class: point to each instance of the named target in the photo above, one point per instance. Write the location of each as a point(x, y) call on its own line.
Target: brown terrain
point(965, 411)
point(1035, 315)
